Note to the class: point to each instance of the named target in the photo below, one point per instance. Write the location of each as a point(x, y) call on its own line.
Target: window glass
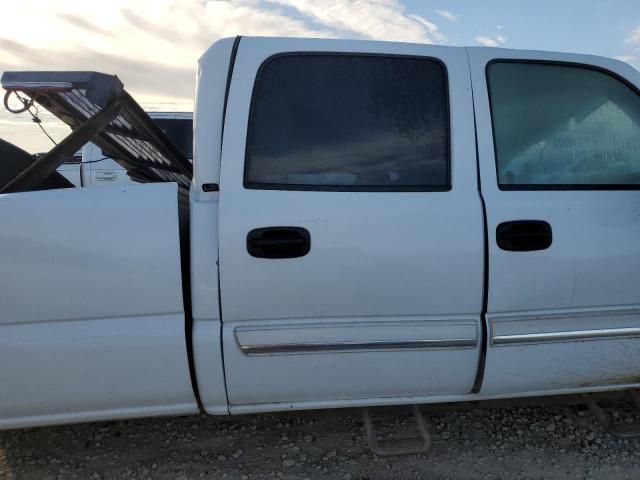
point(180, 131)
point(558, 125)
point(347, 121)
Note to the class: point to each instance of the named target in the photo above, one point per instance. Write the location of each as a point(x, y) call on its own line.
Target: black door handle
point(524, 235)
point(278, 242)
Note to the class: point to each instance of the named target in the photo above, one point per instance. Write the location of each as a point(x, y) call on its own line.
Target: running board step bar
point(412, 446)
point(619, 430)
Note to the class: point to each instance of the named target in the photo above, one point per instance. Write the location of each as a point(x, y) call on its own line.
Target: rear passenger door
point(351, 237)
point(559, 146)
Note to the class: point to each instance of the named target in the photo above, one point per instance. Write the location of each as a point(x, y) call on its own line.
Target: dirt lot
point(538, 443)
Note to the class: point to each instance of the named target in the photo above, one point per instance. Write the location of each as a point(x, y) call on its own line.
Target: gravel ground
point(550, 442)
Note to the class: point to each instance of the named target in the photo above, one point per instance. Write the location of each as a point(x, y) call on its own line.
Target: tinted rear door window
point(560, 126)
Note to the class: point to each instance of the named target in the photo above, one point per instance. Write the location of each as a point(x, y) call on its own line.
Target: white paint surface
point(375, 258)
point(92, 322)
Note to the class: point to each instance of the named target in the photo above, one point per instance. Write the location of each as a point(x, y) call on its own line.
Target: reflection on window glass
point(349, 121)
point(563, 125)
point(180, 131)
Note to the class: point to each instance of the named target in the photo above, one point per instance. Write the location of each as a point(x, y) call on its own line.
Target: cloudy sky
point(153, 45)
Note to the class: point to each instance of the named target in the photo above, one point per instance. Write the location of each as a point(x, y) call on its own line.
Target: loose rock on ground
point(555, 442)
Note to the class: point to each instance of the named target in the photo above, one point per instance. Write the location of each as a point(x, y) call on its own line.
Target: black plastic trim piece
point(552, 187)
point(350, 188)
point(278, 242)
point(524, 235)
point(232, 63)
point(342, 188)
point(210, 187)
point(484, 340)
point(567, 187)
point(185, 269)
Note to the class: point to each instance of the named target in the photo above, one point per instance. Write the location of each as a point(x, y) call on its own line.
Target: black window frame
point(447, 186)
point(557, 186)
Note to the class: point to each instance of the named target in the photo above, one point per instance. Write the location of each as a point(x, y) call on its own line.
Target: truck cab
point(470, 214)
point(367, 223)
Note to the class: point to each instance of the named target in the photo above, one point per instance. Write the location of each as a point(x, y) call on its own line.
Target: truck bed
point(101, 269)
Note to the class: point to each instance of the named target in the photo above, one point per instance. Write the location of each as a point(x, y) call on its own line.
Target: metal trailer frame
point(98, 109)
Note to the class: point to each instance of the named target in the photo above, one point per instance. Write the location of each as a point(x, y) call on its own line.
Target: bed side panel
point(91, 308)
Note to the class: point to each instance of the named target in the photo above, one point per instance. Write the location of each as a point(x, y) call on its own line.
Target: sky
point(153, 45)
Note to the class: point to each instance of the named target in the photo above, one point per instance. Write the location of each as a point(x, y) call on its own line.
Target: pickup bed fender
point(93, 323)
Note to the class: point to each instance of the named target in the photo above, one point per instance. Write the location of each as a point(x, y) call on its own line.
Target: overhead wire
point(27, 105)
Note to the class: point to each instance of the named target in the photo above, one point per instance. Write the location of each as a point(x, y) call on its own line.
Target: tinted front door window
point(347, 121)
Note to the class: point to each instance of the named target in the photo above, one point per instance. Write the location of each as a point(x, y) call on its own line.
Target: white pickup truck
point(366, 224)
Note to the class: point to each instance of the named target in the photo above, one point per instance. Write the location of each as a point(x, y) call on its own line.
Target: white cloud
point(626, 58)
point(491, 41)
point(447, 14)
point(487, 41)
point(372, 19)
point(153, 45)
point(143, 41)
point(634, 38)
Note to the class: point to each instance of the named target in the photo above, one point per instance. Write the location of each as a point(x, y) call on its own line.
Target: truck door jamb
point(477, 384)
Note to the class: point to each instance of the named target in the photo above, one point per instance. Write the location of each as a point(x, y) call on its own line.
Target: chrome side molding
point(349, 337)
point(269, 349)
point(564, 327)
point(543, 337)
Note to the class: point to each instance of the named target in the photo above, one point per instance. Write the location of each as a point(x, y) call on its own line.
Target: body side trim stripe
point(360, 336)
point(346, 346)
point(566, 336)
